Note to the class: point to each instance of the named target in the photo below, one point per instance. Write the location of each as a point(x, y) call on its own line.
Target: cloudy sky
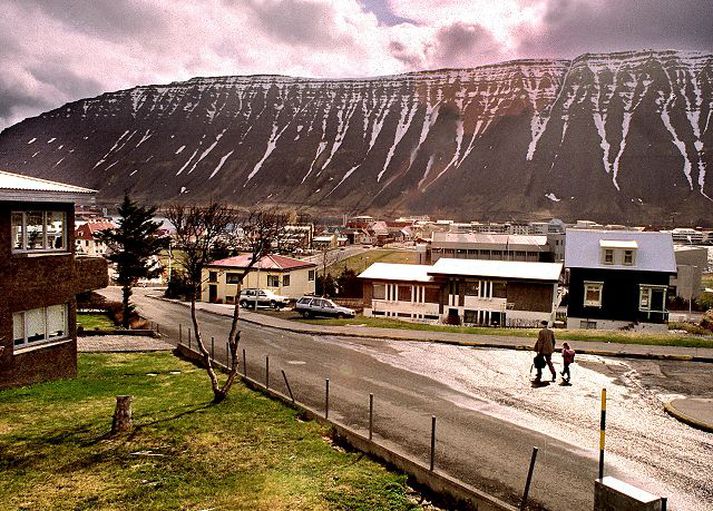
point(55, 51)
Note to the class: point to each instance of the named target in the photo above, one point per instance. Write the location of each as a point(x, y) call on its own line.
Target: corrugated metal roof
point(11, 181)
point(447, 239)
point(400, 272)
point(497, 269)
point(269, 262)
point(655, 252)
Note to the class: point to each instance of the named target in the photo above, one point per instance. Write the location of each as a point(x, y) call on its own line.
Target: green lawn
point(662, 339)
point(91, 321)
point(248, 453)
point(361, 262)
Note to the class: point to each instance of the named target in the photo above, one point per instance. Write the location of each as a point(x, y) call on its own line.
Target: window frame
point(311, 275)
point(650, 289)
point(23, 226)
point(47, 339)
point(599, 286)
point(286, 280)
point(273, 281)
point(608, 252)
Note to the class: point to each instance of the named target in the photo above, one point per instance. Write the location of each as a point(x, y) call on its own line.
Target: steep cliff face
point(618, 137)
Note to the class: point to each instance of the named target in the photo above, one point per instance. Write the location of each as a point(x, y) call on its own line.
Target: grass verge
point(624, 337)
point(361, 262)
point(91, 321)
point(247, 453)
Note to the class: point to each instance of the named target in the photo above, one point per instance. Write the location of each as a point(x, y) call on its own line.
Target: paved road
point(489, 417)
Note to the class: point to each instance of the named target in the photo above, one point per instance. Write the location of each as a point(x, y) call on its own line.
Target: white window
point(628, 257)
point(593, 294)
point(38, 231)
point(310, 275)
point(273, 281)
point(41, 324)
point(608, 256)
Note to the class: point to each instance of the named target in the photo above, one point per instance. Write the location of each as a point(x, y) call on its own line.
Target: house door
point(212, 293)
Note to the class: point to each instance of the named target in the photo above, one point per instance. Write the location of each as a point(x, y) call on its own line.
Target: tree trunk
point(126, 294)
point(122, 415)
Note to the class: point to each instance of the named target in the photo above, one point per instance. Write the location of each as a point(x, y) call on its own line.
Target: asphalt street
point(488, 415)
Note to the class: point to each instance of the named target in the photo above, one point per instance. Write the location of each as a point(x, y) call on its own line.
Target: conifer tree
point(132, 246)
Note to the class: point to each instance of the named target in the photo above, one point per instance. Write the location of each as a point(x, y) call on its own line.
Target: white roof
point(24, 188)
point(498, 269)
point(618, 244)
point(403, 272)
point(655, 249)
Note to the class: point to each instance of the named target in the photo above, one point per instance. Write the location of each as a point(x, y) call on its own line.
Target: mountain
point(619, 137)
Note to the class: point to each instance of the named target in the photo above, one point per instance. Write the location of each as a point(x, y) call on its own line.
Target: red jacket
point(568, 355)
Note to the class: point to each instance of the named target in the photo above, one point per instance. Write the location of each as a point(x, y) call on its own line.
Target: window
point(585, 324)
point(273, 281)
point(404, 293)
point(433, 295)
point(608, 256)
point(652, 298)
point(500, 290)
point(593, 294)
point(38, 230)
point(471, 288)
point(628, 257)
point(285, 280)
point(233, 278)
point(36, 325)
point(213, 276)
point(310, 275)
point(378, 292)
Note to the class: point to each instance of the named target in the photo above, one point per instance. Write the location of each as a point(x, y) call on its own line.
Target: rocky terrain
point(621, 137)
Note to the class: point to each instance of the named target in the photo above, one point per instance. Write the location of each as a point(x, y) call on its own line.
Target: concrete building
point(691, 263)
point(501, 247)
point(283, 275)
point(40, 278)
point(473, 292)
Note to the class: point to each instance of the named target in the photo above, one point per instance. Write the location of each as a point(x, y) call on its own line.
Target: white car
point(263, 298)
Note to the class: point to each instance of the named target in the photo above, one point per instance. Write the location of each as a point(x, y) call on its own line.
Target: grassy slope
point(663, 339)
point(361, 262)
point(246, 453)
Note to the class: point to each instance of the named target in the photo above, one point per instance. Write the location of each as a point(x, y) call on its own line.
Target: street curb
point(473, 344)
point(686, 419)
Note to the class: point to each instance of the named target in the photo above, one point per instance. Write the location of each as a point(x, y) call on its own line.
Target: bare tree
point(198, 231)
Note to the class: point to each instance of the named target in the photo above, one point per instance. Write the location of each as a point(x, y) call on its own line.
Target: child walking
point(567, 358)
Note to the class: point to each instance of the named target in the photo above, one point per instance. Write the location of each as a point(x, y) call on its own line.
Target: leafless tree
point(198, 231)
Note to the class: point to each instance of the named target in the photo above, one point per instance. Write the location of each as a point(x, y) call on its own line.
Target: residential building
point(502, 247)
point(284, 275)
point(688, 236)
point(618, 279)
point(86, 239)
point(474, 292)
point(40, 278)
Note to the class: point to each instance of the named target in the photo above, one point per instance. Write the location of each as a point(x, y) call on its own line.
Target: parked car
point(310, 306)
point(264, 298)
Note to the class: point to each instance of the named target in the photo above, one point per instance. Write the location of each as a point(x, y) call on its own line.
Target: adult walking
point(544, 347)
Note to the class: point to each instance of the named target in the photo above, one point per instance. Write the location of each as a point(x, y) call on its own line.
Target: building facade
point(86, 240)
point(283, 275)
point(460, 291)
point(501, 247)
point(618, 279)
point(40, 278)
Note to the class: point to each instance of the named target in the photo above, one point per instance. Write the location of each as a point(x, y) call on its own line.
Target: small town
point(481, 281)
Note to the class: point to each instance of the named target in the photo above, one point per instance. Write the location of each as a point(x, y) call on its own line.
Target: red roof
point(88, 230)
point(269, 262)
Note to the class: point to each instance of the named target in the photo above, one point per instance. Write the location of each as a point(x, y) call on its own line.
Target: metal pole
point(189, 338)
point(267, 371)
point(602, 433)
point(287, 384)
point(523, 504)
point(180, 333)
point(433, 441)
point(326, 398)
point(371, 416)
point(245, 365)
point(212, 347)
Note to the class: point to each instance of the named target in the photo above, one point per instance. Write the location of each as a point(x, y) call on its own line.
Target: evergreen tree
point(133, 244)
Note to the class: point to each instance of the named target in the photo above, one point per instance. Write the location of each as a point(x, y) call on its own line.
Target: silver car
point(310, 306)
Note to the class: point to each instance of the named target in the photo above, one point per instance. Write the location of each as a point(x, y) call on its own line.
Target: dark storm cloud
point(572, 27)
point(459, 44)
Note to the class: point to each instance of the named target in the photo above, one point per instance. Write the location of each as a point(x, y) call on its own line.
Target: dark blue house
point(618, 279)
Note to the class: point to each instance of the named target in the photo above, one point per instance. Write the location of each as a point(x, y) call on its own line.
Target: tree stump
point(122, 415)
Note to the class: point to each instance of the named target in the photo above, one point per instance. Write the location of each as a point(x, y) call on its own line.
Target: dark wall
point(620, 294)
point(530, 296)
